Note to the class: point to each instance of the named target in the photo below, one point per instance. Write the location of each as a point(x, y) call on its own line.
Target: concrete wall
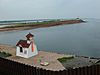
point(21, 54)
point(35, 52)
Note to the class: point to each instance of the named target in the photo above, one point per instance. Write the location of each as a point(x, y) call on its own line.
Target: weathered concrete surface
point(54, 64)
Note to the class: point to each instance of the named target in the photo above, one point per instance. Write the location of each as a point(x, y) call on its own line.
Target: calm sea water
point(79, 39)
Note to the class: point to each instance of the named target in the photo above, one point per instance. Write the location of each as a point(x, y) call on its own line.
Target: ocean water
point(78, 39)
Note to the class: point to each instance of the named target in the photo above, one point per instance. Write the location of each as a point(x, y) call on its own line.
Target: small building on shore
point(26, 48)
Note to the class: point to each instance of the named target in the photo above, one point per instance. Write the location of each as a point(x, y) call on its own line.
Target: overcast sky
point(39, 9)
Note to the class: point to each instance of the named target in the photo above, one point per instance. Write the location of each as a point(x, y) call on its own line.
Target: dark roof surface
point(23, 43)
point(29, 35)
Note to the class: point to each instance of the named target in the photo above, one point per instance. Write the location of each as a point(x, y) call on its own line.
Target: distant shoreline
point(28, 26)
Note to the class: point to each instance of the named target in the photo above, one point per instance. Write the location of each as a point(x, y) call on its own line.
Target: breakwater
point(10, 67)
point(27, 26)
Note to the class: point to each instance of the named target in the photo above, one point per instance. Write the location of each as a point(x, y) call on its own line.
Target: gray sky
point(39, 9)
